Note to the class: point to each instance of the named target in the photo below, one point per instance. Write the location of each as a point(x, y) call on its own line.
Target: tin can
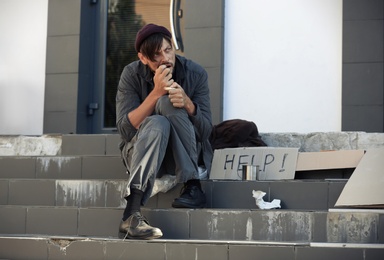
point(250, 172)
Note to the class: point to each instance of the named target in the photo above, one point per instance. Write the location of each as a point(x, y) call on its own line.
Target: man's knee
point(165, 107)
point(155, 122)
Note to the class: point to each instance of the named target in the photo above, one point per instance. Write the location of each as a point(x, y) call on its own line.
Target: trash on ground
point(261, 204)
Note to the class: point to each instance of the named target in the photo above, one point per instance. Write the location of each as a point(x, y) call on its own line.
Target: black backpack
point(235, 133)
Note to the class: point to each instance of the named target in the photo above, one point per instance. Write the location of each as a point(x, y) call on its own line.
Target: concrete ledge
point(30, 145)
point(319, 194)
point(107, 144)
point(199, 224)
point(315, 142)
point(45, 247)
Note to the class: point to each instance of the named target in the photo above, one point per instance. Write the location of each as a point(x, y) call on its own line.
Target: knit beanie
point(147, 31)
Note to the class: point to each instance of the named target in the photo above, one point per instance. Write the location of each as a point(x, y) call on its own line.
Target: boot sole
point(123, 235)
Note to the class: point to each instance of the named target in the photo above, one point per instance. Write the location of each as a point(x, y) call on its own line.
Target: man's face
point(165, 55)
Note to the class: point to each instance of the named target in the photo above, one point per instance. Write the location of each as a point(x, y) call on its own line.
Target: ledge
point(51, 145)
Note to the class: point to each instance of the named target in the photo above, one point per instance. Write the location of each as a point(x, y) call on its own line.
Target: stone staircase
point(61, 198)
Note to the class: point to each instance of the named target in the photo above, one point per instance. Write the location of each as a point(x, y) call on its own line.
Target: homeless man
point(164, 119)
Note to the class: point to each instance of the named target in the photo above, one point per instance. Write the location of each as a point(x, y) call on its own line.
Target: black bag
point(235, 133)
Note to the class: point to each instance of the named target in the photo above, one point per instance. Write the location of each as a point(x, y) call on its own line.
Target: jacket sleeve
point(127, 99)
point(202, 120)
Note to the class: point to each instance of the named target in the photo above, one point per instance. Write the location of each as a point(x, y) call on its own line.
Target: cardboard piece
point(274, 163)
point(365, 187)
point(341, 159)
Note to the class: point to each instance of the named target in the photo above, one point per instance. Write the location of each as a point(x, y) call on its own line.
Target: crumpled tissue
point(261, 204)
point(163, 184)
point(168, 181)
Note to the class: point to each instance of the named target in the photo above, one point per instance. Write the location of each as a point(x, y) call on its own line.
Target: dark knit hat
point(147, 31)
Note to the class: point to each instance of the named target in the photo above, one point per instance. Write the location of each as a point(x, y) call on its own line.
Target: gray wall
point(204, 33)
point(363, 42)
point(61, 86)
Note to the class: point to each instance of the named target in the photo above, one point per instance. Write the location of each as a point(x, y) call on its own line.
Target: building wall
point(62, 66)
point(363, 83)
point(284, 64)
point(62, 86)
point(204, 33)
point(362, 76)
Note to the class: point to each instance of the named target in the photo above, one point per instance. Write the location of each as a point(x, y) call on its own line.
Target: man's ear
point(142, 58)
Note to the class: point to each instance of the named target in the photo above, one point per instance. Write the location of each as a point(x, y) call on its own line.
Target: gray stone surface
point(56, 221)
point(58, 167)
point(32, 192)
point(13, 220)
point(23, 248)
point(352, 227)
point(204, 224)
point(112, 144)
point(294, 194)
point(17, 167)
point(80, 193)
point(315, 142)
point(308, 195)
point(242, 252)
point(372, 140)
point(30, 145)
point(101, 167)
point(174, 224)
point(321, 253)
point(84, 193)
point(4, 192)
point(86, 144)
point(99, 248)
point(108, 144)
point(90, 225)
point(192, 251)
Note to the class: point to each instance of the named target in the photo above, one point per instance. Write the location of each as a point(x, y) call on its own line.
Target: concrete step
point(102, 167)
point(61, 198)
point(100, 248)
point(294, 194)
point(107, 144)
point(206, 224)
point(53, 145)
point(62, 167)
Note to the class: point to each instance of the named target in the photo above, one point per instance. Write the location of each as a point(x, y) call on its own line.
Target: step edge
point(202, 241)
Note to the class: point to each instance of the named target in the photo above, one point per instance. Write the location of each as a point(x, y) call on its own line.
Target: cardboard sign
point(341, 159)
point(274, 163)
point(365, 187)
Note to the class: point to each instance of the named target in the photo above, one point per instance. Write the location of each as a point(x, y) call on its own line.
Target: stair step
point(101, 144)
point(102, 167)
point(62, 167)
point(60, 144)
point(211, 224)
point(294, 194)
point(61, 197)
point(99, 248)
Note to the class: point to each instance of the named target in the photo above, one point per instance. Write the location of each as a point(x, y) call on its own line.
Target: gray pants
point(165, 143)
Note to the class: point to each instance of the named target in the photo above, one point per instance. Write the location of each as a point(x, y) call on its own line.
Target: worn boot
point(192, 196)
point(137, 227)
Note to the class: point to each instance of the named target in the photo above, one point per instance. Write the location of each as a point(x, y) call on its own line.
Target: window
point(125, 18)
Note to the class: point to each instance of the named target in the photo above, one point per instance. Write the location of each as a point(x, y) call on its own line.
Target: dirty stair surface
point(63, 200)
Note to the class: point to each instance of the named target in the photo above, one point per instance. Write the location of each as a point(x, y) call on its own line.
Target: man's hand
point(162, 79)
point(179, 99)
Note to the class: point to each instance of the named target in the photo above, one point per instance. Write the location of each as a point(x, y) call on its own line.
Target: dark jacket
point(136, 83)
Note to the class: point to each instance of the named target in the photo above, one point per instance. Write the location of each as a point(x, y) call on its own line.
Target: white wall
point(283, 63)
point(23, 30)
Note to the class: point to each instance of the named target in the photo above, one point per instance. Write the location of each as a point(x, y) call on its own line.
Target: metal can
point(250, 172)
